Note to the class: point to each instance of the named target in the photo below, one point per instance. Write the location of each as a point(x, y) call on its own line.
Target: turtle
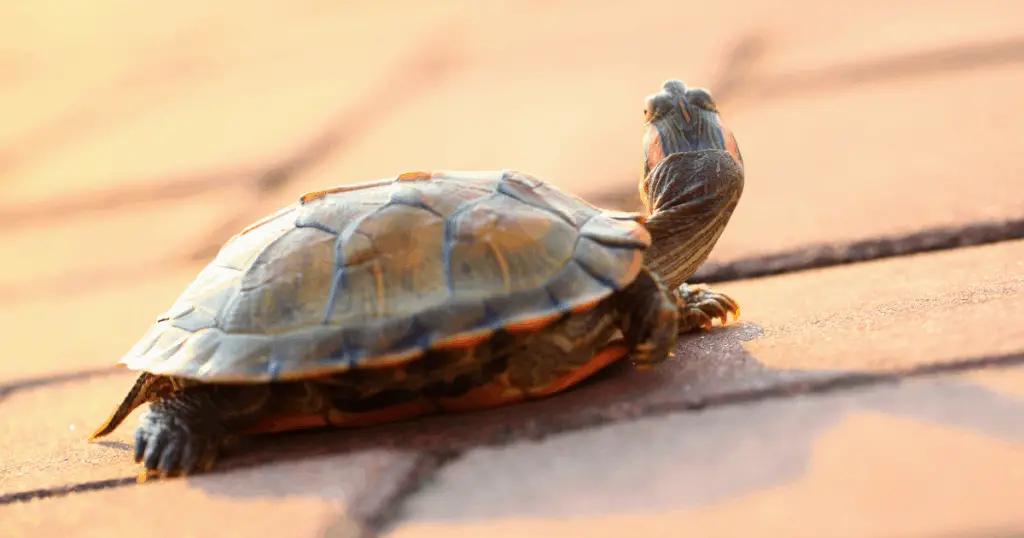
point(444, 291)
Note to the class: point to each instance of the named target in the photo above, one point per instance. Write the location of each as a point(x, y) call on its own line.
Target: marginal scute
point(243, 248)
point(574, 285)
point(617, 232)
point(231, 352)
point(337, 211)
point(371, 275)
point(515, 176)
point(451, 318)
point(616, 267)
point(463, 340)
point(520, 307)
point(158, 344)
point(318, 195)
point(196, 319)
point(194, 353)
point(273, 217)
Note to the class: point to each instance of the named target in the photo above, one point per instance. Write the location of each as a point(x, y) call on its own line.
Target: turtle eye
point(650, 107)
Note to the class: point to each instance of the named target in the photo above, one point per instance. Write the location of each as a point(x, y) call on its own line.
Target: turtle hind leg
point(700, 306)
point(187, 430)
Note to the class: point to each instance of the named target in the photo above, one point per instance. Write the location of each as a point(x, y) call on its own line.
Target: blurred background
point(135, 137)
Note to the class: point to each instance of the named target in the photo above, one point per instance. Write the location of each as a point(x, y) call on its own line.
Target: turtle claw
point(699, 307)
point(168, 446)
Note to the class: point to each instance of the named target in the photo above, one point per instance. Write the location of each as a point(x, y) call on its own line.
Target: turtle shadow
point(709, 369)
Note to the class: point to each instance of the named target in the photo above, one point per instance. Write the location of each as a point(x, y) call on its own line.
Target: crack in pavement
point(386, 520)
point(388, 511)
point(960, 57)
point(61, 491)
point(6, 389)
point(117, 99)
point(432, 59)
point(829, 255)
point(435, 458)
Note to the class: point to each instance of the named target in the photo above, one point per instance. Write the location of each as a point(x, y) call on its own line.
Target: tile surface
point(315, 497)
point(902, 460)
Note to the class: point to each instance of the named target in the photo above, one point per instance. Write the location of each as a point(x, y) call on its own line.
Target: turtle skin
point(428, 292)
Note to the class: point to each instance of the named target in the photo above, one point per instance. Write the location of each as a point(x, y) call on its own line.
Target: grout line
point(434, 460)
point(430, 61)
point(969, 56)
point(820, 256)
point(41, 381)
point(430, 462)
point(61, 491)
point(838, 383)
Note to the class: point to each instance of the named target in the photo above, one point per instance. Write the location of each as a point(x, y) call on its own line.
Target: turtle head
point(686, 146)
point(693, 178)
point(680, 119)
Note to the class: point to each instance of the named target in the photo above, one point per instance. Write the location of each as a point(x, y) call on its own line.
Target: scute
point(373, 274)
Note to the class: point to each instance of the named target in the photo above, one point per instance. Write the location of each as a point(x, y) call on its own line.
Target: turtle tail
point(147, 387)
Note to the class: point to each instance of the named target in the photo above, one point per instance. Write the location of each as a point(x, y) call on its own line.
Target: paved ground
point(874, 388)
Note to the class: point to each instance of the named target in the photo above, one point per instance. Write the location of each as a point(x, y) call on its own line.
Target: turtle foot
point(699, 307)
point(172, 441)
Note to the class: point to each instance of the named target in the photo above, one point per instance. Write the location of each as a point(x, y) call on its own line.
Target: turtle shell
point(372, 275)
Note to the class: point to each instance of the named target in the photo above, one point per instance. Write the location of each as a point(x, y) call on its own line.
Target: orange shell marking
point(463, 340)
point(415, 176)
point(483, 397)
point(406, 411)
point(532, 324)
point(601, 359)
point(316, 195)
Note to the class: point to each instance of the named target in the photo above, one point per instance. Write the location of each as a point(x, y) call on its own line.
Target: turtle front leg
point(649, 319)
point(699, 306)
point(187, 430)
